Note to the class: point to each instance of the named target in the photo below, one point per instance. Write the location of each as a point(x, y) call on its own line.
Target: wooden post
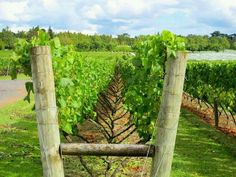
point(129, 150)
point(46, 111)
point(168, 116)
point(216, 113)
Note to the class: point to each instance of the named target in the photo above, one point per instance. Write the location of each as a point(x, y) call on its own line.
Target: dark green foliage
point(204, 43)
point(212, 80)
point(7, 39)
point(32, 32)
point(123, 42)
point(50, 32)
point(2, 44)
point(5, 62)
point(88, 42)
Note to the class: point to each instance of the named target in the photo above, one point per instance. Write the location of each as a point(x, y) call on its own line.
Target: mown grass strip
point(200, 149)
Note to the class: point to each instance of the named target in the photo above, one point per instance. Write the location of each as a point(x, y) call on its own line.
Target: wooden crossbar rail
point(129, 150)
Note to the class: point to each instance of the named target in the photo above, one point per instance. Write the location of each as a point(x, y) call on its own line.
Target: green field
point(8, 53)
point(5, 62)
point(19, 77)
point(200, 149)
point(19, 147)
point(99, 55)
point(5, 53)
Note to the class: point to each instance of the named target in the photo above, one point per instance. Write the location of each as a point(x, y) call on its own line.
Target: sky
point(121, 16)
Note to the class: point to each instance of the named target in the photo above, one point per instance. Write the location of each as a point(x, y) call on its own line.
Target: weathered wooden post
point(46, 111)
point(168, 116)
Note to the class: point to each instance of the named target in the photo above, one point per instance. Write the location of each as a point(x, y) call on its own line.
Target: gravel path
point(11, 91)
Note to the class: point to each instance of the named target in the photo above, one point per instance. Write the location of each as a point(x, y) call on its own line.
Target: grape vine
point(213, 82)
point(143, 79)
point(78, 80)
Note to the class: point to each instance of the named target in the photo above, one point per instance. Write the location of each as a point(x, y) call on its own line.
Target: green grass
point(19, 148)
point(19, 77)
point(201, 151)
point(5, 61)
point(5, 53)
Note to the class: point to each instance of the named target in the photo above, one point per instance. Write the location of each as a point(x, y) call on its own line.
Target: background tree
point(2, 45)
point(50, 32)
point(215, 44)
point(32, 32)
point(21, 34)
point(225, 44)
point(8, 38)
point(124, 39)
point(216, 34)
point(123, 42)
point(234, 45)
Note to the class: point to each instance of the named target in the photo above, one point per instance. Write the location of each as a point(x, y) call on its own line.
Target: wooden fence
point(48, 128)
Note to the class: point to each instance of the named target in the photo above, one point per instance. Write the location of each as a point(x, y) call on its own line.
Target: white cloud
point(14, 11)
point(90, 29)
point(129, 8)
point(168, 2)
point(93, 12)
point(118, 16)
point(225, 9)
point(50, 4)
point(16, 28)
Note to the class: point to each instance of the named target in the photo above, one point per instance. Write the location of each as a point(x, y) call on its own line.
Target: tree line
point(216, 41)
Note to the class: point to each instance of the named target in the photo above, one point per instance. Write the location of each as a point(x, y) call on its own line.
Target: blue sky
point(119, 16)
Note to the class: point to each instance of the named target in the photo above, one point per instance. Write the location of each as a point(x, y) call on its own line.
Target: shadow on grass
point(203, 151)
point(19, 150)
point(200, 150)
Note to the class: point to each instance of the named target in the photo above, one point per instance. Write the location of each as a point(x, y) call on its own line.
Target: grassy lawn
point(5, 62)
point(200, 150)
point(5, 53)
point(19, 148)
point(19, 77)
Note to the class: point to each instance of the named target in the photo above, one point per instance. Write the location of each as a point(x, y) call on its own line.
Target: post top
point(40, 50)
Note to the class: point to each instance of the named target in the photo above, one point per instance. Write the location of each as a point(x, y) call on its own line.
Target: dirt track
point(11, 91)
